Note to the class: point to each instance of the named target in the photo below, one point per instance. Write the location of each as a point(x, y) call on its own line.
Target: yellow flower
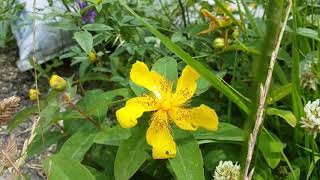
point(92, 57)
point(167, 106)
point(33, 94)
point(57, 83)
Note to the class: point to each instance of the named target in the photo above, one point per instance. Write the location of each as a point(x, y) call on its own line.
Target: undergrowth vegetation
point(172, 89)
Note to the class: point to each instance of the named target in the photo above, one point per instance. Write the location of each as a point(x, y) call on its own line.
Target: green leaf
point(167, 66)
point(112, 136)
point(138, 90)
point(83, 68)
point(21, 116)
point(279, 93)
point(202, 85)
point(312, 166)
point(306, 32)
point(77, 145)
point(294, 175)
point(85, 40)
point(49, 112)
point(28, 111)
point(64, 26)
point(131, 154)
point(42, 141)
point(97, 174)
point(288, 116)
point(251, 19)
point(215, 81)
point(95, 104)
point(271, 148)
point(214, 153)
point(96, 27)
point(63, 168)
point(188, 163)
point(225, 132)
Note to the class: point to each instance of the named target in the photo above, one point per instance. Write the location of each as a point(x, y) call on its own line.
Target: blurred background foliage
point(232, 59)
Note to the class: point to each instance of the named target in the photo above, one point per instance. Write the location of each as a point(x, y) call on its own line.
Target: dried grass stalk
point(8, 152)
point(7, 108)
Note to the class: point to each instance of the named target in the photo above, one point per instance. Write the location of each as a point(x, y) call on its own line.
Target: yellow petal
point(191, 119)
point(204, 116)
point(186, 86)
point(160, 138)
point(135, 107)
point(182, 118)
point(127, 117)
point(151, 80)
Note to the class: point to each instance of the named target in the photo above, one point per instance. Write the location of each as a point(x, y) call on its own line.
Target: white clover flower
point(312, 120)
point(226, 170)
point(309, 80)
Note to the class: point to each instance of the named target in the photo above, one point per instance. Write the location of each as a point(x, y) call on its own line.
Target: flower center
point(165, 105)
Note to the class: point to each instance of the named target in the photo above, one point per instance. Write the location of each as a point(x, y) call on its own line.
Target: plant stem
point(263, 96)
point(183, 14)
point(82, 113)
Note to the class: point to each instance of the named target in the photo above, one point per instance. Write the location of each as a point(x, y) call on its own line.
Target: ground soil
point(13, 82)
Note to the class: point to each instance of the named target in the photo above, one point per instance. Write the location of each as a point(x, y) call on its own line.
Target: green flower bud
point(218, 43)
point(235, 34)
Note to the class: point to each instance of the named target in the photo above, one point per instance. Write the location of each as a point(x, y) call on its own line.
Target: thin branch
point(167, 14)
point(263, 96)
point(183, 14)
point(23, 154)
point(82, 113)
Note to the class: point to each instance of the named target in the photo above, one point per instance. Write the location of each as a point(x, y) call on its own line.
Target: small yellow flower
point(57, 83)
point(92, 57)
point(33, 94)
point(167, 106)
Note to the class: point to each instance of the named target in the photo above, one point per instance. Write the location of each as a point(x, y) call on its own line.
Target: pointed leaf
point(188, 163)
point(112, 136)
point(271, 148)
point(288, 116)
point(225, 132)
point(77, 145)
point(131, 154)
point(85, 40)
point(167, 67)
point(63, 168)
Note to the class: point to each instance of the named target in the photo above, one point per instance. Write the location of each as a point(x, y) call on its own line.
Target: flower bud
point(224, 22)
point(57, 83)
point(218, 43)
point(227, 170)
point(235, 34)
point(92, 57)
point(33, 94)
